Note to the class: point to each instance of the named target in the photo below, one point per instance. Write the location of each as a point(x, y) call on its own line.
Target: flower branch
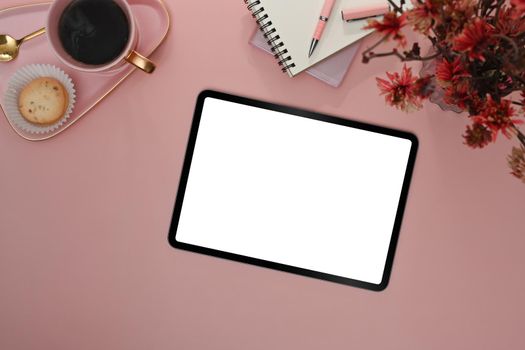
point(405, 57)
point(478, 58)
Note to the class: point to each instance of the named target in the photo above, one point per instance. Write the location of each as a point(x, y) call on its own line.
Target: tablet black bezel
point(172, 237)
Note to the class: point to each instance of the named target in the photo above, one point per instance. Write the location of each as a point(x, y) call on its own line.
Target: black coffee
point(93, 31)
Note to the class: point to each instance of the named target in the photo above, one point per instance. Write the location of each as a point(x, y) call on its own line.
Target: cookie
point(43, 101)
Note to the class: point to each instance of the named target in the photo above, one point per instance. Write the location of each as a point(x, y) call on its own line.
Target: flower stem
point(395, 6)
point(369, 50)
point(403, 58)
point(431, 57)
point(520, 135)
point(498, 7)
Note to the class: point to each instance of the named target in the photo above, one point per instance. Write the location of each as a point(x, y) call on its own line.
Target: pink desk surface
point(85, 262)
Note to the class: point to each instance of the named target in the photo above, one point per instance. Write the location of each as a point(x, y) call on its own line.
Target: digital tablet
point(293, 190)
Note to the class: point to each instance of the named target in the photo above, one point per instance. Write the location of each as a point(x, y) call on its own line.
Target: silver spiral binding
point(270, 33)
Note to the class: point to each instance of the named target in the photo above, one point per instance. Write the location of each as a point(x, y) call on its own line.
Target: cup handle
point(140, 62)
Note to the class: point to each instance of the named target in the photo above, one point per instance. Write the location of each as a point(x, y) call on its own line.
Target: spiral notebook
point(288, 25)
point(331, 71)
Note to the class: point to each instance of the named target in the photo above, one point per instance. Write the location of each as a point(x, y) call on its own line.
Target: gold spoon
point(9, 47)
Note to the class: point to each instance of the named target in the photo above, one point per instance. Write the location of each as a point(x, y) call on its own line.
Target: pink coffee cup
point(128, 55)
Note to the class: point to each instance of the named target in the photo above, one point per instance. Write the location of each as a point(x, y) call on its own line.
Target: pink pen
point(323, 18)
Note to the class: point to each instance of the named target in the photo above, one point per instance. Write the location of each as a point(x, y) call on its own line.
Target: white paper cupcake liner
point(24, 76)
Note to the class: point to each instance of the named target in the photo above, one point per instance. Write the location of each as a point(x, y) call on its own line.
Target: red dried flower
point(456, 14)
point(422, 15)
point(390, 26)
point(497, 116)
point(519, 5)
point(509, 21)
point(474, 39)
point(477, 136)
point(448, 73)
point(400, 91)
point(517, 162)
point(458, 94)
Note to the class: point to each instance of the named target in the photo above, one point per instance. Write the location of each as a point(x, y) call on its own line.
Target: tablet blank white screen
point(293, 190)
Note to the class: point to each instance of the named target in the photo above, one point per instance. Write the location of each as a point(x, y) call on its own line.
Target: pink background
point(84, 258)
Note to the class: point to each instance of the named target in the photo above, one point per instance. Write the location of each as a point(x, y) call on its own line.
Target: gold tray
point(153, 23)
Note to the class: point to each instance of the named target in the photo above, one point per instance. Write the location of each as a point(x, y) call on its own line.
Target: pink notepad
point(332, 70)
